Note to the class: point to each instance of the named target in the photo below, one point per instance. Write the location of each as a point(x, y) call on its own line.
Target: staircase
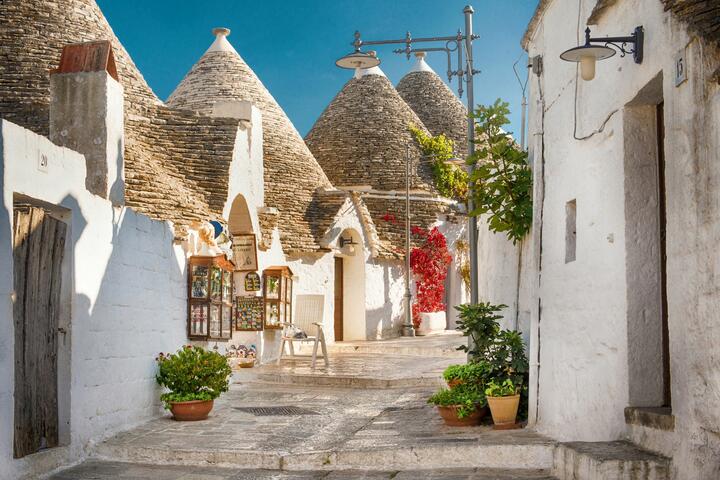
point(608, 461)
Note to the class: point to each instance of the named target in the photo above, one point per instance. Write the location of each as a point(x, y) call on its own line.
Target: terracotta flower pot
point(504, 409)
point(450, 416)
point(191, 411)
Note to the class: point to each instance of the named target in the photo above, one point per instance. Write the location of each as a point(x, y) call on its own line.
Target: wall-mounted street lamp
point(349, 242)
point(587, 55)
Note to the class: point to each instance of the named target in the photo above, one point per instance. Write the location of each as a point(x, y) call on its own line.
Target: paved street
point(365, 416)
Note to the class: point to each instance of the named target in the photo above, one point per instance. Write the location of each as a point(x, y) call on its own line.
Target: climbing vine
point(429, 263)
point(451, 181)
point(462, 260)
point(501, 183)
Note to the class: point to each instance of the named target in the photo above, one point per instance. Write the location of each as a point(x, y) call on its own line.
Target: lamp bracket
point(621, 43)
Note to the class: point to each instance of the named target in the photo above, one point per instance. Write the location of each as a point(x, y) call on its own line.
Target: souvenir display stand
point(277, 295)
point(210, 298)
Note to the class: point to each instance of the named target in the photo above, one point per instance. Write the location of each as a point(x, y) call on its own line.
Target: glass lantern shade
point(587, 56)
point(358, 59)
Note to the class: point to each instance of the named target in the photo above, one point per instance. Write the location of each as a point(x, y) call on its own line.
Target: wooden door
point(338, 299)
point(38, 245)
point(662, 210)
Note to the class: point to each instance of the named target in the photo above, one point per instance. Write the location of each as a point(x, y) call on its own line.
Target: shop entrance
point(38, 246)
point(338, 299)
point(645, 248)
point(350, 288)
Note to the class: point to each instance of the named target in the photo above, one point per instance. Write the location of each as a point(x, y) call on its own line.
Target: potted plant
point(459, 406)
point(503, 399)
point(195, 377)
point(501, 351)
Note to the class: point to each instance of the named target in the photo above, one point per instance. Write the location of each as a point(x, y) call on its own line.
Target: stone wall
point(123, 302)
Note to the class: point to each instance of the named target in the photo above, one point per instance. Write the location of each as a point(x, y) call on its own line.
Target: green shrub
point(192, 373)
point(467, 400)
point(504, 389)
point(471, 373)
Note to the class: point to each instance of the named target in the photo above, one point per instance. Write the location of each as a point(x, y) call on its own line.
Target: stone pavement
point(365, 416)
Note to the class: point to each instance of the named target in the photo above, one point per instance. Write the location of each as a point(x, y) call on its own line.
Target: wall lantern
point(349, 242)
point(588, 54)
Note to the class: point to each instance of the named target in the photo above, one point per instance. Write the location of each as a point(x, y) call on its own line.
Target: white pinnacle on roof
point(420, 64)
point(361, 72)
point(221, 43)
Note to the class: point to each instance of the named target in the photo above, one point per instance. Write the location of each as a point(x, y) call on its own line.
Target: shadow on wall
point(385, 321)
point(139, 311)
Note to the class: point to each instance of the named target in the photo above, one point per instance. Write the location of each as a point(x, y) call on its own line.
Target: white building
point(622, 264)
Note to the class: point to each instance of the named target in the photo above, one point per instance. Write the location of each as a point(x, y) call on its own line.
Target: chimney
point(86, 115)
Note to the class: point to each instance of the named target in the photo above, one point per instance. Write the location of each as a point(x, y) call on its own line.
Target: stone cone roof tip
point(362, 136)
point(221, 43)
point(292, 175)
point(420, 64)
point(434, 103)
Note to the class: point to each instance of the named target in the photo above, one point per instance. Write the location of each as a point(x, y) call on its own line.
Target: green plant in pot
point(468, 374)
point(461, 406)
point(502, 352)
point(195, 377)
point(503, 399)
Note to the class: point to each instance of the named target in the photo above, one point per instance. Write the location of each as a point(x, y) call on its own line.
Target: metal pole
point(407, 330)
point(472, 237)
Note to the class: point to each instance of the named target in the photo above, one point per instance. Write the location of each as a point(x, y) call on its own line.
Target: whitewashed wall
point(124, 300)
point(583, 328)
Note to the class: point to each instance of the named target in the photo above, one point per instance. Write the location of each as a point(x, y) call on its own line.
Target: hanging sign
point(244, 252)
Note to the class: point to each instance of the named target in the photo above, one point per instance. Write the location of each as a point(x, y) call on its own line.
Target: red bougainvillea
point(429, 263)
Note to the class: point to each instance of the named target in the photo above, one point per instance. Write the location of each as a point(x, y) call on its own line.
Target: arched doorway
point(350, 321)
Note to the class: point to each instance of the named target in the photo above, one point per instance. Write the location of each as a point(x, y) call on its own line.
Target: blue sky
point(292, 45)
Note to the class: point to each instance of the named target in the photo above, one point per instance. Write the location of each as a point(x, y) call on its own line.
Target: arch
point(239, 220)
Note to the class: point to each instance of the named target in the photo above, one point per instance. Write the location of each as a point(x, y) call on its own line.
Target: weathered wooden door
point(38, 246)
point(338, 299)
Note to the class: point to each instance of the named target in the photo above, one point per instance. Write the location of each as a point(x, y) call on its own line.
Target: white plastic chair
point(308, 316)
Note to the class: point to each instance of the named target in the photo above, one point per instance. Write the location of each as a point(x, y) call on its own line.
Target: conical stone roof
point(170, 155)
point(292, 175)
point(361, 137)
point(436, 105)
point(32, 35)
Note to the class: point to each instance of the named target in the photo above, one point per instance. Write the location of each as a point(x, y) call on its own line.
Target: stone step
point(94, 470)
point(608, 461)
point(531, 457)
point(321, 380)
point(366, 371)
point(438, 345)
